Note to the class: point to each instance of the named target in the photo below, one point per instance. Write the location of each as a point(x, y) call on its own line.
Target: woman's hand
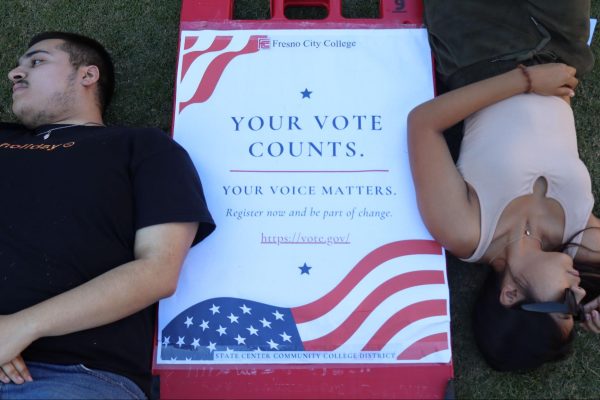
point(552, 79)
point(591, 320)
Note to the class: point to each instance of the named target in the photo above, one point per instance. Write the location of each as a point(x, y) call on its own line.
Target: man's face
point(44, 85)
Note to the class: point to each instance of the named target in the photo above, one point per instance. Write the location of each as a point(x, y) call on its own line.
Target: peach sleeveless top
point(509, 145)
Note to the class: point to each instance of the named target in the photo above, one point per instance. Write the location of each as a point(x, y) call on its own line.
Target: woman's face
point(544, 277)
point(548, 275)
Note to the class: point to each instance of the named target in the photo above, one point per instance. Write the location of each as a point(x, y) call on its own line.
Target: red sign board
point(369, 380)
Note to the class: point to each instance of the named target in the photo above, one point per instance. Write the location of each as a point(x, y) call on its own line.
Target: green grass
point(142, 36)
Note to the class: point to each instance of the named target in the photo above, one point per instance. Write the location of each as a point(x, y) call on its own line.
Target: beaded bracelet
point(527, 76)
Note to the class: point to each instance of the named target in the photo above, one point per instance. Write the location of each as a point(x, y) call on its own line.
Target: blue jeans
point(52, 381)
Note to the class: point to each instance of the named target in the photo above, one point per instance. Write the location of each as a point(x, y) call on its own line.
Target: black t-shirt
point(70, 206)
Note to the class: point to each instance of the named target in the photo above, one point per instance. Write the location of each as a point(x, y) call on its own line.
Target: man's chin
point(24, 118)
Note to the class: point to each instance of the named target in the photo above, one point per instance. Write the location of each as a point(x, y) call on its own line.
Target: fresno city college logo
point(264, 43)
point(218, 60)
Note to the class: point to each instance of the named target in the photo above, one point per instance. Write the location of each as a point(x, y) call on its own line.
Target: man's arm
point(159, 253)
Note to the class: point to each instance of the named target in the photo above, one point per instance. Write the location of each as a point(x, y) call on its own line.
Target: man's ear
point(90, 75)
point(509, 295)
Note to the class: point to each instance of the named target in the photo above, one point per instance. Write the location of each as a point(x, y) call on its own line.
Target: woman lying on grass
point(519, 198)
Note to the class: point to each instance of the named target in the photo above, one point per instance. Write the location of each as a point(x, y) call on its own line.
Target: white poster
point(319, 255)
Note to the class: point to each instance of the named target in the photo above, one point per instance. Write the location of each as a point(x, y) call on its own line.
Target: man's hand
point(15, 371)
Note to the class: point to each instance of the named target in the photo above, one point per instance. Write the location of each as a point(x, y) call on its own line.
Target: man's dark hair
point(512, 339)
point(86, 51)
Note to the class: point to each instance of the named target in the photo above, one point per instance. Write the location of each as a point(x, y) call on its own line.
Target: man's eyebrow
point(32, 52)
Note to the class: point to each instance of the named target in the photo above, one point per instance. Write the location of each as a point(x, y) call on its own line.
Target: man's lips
point(19, 86)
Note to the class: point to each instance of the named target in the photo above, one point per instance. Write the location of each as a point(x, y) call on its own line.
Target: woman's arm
point(448, 206)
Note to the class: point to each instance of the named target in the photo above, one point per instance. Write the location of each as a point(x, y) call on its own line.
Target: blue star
point(305, 269)
point(306, 94)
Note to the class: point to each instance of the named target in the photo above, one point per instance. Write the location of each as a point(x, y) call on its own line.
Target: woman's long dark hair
point(590, 281)
point(513, 339)
point(590, 274)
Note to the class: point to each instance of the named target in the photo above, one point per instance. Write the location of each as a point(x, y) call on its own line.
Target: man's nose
point(16, 74)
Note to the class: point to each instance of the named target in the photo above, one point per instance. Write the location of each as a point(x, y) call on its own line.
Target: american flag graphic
point(221, 328)
point(220, 59)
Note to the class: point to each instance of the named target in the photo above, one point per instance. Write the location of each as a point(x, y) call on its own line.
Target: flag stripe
point(372, 260)
point(218, 44)
point(346, 329)
point(424, 347)
point(190, 41)
point(403, 318)
point(215, 69)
